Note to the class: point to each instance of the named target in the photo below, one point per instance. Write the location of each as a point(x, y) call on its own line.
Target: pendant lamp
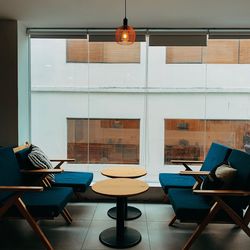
point(125, 35)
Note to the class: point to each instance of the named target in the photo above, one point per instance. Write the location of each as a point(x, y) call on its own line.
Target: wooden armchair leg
point(66, 215)
point(25, 213)
point(172, 221)
point(235, 217)
point(247, 216)
point(215, 208)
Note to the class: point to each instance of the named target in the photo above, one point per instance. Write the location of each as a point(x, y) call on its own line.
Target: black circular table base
point(130, 238)
point(132, 213)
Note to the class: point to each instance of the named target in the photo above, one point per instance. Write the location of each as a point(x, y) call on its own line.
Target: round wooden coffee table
point(131, 213)
point(121, 188)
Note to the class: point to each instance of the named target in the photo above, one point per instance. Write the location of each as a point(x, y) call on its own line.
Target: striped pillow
point(39, 160)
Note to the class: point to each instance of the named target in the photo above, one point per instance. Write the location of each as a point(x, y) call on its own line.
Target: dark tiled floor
point(91, 218)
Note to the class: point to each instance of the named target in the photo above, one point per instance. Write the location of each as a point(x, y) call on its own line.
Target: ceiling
point(140, 13)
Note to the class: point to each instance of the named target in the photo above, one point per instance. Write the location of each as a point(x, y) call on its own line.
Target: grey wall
point(8, 83)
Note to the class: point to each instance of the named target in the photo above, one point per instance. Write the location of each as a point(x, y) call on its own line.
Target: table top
point(124, 172)
point(120, 187)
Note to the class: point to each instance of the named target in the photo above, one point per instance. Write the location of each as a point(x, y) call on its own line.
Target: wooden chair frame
point(185, 163)
point(43, 177)
point(218, 205)
point(46, 183)
point(16, 200)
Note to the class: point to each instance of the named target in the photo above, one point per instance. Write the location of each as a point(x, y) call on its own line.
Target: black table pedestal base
point(131, 213)
point(130, 238)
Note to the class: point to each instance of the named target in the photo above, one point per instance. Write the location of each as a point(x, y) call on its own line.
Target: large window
point(167, 98)
point(103, 141)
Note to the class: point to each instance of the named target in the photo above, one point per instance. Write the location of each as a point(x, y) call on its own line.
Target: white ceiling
point(140, 13)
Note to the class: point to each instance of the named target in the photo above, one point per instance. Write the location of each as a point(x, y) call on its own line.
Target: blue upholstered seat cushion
point(79, 181)
point(169, 180)
point(193, 207)
point(46, 204)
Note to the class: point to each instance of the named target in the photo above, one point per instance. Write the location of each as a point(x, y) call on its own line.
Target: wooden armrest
point(19, 148)
point(21, 188)
point(60, 162)
point(223, 192)
point(64, 160)
point(186, 161)
point(42, 171)
point(195, 173)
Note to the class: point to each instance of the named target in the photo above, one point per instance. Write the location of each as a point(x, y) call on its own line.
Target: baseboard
point(153, 195)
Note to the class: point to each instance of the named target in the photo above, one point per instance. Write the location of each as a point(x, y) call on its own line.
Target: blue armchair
point(216, 155)
point(79, 181)
point(205, 206)
point(29, 202)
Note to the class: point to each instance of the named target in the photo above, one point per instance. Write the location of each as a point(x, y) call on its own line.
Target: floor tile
point(159, 212)
point(102, 209)
point(59, 234)
point(81, 210)
point(96, 227)
point(221, 237)
point(90, 219)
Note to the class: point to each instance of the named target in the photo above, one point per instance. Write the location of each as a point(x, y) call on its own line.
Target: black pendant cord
point(125, 20)
point(125, 8)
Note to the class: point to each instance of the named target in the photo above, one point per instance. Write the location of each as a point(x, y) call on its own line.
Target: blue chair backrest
point(216, 155)
point(9, 170)
point(241, 161)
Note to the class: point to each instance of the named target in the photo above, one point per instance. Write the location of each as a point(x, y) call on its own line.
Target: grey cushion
point(220, 177)
point(40, 160)
point(226, 174)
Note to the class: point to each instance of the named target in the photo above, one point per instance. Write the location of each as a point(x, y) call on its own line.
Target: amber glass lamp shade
point(125, 35)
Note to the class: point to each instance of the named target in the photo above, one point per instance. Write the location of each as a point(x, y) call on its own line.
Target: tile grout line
point(89, 226)
point(147, 226)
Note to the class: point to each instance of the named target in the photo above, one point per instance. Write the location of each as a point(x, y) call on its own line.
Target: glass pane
point(176, 67)
point(184, 138)
point(244, 51)
point(221, 51)
point(227, 101)
point(101, 141)
point(180, 98)
point(184, 54)
point(50, 68)
point(119, 67)
point(227, 66)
